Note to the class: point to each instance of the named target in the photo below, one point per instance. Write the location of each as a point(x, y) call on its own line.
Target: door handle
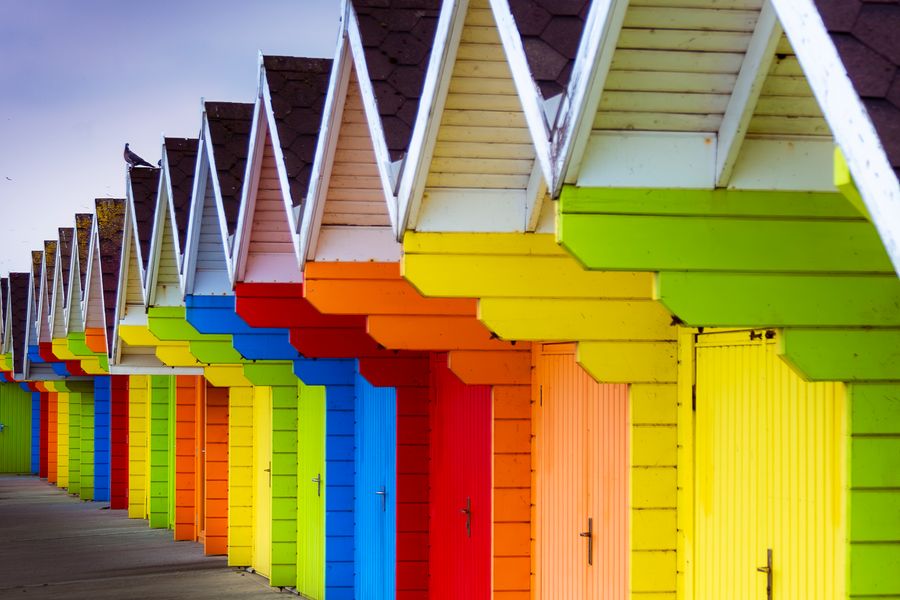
point(383, 493)
point(589, 534)
point(769, 574)
point(468, 512)
point(269, 471)
point(318, 481)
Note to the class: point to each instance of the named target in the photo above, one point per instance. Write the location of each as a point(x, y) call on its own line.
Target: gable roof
point(4, 301)
point(295, 89)
point(18, 306)
point(64, 258)
point(180, 161)
point(110, 235)
point(550, 31)
point(229, 133)
point(397, 37)
point(83, 224)
point(37, 266)
point(143, 186)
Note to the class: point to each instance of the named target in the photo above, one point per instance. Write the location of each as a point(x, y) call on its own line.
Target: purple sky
point(80, 78)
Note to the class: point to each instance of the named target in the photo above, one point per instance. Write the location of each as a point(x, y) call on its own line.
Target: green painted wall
point(311, 505)
point(15, 439)
point(75, 442)
point(874, 502)
point(171, 421)
point(87, 445)
point(284, 485)
point(162, 390)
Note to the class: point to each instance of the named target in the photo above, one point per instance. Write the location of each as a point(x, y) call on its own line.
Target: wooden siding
point(215, 511)
point(52, 436)
point(187, 391)
point(62, 439)
point(262, 475)
point(270, 254)
point(168, 286)
point(94, 315)
point(675, 64)
point(211, 267)
point(118, 444)
point(134, 294)
point(240, 476)
point(355, 194)
point(413, 482)
point(15, 439)
point(483, 141)
point(786, 105)
point(74, 484)
point(88, 430)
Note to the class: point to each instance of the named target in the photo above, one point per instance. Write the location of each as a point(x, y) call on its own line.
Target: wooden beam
point(843, 354)
point(747, 88)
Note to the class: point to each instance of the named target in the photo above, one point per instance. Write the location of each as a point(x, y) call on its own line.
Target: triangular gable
point(59, 300)
point(130, 308)
point(393, 47)
point(142, 189)
point(45, 295)
point(74, 316)
point(347, 199)
point(18, 307)
point(477, 148)
point(286, 128)
point(110, 237)
point(164, 283)
point(4, 302)
point(33, 316)
point(215, 202)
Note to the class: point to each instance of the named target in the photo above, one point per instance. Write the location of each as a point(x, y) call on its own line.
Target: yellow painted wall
point(240, 476)
point(262, 474)
point(62, 440)
point(769, 472)
point(138, 413)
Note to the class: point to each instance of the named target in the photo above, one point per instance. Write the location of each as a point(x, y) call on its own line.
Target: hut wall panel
point(118, 442)
point(102, 416)
point(241, 468)
point(15, 439)
point(216, 471)
point(52, 436)
point(138, 445)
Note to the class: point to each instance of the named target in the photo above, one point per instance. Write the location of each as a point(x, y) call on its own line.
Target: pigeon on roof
point(134, 160)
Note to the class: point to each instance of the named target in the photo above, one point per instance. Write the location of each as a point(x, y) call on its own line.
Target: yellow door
point(262, 461)
point(769, 474)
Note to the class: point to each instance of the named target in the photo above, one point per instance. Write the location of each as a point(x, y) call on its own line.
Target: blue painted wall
point(102, 398)
point(35, 432)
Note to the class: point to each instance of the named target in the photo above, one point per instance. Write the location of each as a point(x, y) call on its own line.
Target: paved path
point(55, 546)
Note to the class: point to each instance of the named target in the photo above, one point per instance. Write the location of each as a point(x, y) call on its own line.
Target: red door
point(460, 560)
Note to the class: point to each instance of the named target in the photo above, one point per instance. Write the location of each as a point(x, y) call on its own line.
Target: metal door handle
point(383, 493)
point(769, 574)
point(589, 534)
point(269, 471)
point(318, 481)
point(468, 512)
point(2, 427)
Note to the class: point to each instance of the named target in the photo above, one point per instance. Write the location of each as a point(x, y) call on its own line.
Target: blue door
point(376, 485)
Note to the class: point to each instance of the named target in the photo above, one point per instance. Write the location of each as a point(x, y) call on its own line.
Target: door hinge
point(468, 512)
point(589, 534)
point(694, 397)
point(769, 575)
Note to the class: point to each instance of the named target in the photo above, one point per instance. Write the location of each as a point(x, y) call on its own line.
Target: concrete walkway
point(55, 546)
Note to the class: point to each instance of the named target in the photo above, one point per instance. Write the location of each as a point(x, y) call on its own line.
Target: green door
point(15, 429)
point(311, 493)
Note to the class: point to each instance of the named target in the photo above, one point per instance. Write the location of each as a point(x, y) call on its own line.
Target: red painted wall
point(118, 433)
point(186, 392)
point(52, 432)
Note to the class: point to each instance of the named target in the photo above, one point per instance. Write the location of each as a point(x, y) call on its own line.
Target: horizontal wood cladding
point(134, 294)
point(483, 141)
point(355, 195)
point(270, 233)
point(675, 64)
point(786, 105)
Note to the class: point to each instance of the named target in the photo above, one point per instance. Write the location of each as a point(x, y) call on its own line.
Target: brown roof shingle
point(551, 31)
point(298, 87)
point(37, 263)
point(66, 238)
point(181, 158)
point(110, 231)
point(144, 188)
point(83, 223)
point(229, 130)
point(397, 38)
point(4, 302)
point(865, 33)
point(18, 292)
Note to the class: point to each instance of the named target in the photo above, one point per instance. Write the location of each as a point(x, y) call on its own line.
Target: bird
point(134, 160)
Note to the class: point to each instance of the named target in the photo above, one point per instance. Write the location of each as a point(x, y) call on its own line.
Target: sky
point(79, 78)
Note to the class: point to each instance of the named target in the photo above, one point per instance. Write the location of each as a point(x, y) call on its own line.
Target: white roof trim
point(847, 117)
point(258, 131)
point(320, 177)
point(128, 238)
point(431, 106)
point(93, 254)
point(576, 114)
point(529, 95)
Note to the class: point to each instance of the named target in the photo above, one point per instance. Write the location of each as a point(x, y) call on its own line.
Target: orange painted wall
point(581, 472)
point(216, 470)
point(188, 394)
point(52, 431)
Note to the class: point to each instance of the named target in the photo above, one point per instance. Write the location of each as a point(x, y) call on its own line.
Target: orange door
point(581, 472)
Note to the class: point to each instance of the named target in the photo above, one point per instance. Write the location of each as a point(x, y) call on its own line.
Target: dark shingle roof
point(551, 31)
point(37, 258)
point(181, 156)
point(298, 87)
point(397, 37)
point(18, 288)
point(50, 252)
point(4, 302)
point(229, 128)
point(83, 223)
point(66, 237)
point(144, 186)
point(865, 33)
point(110, 230)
